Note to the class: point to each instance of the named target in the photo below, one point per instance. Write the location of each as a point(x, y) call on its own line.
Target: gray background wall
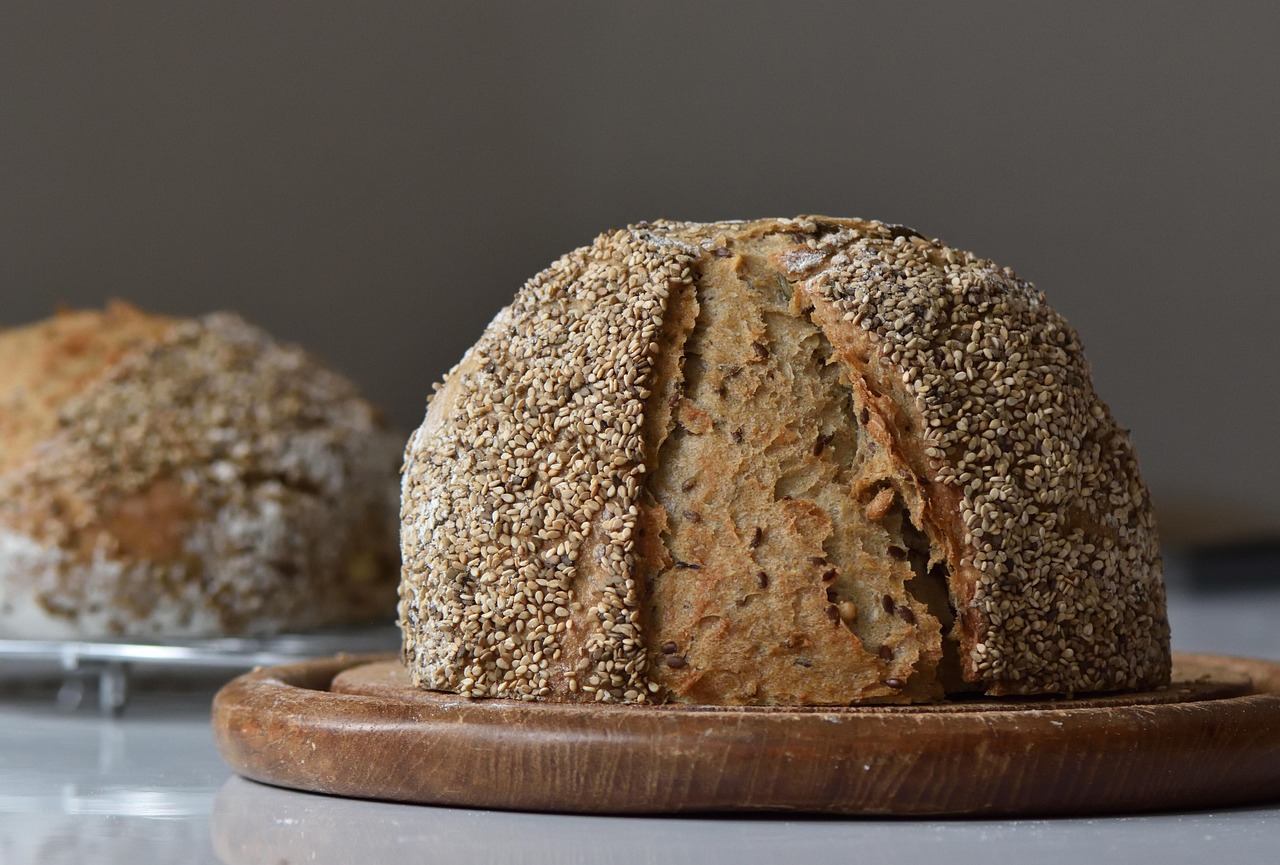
point(374, 180)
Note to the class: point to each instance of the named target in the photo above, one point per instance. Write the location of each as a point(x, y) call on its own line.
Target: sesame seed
point(279, 476)
point(1044, 482)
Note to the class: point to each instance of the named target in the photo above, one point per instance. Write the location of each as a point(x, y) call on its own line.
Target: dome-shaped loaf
point(176, 478)
point(810, 461)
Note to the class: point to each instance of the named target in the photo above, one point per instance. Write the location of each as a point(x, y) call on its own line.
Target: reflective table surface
point(149, 787)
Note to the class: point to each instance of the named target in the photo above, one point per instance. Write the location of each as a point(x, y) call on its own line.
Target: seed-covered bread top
point(185, 477)
point(809, 461)
point(44, 365)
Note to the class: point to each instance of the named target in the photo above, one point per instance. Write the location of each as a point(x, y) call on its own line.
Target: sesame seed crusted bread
point(170, 477)
point(801, 461)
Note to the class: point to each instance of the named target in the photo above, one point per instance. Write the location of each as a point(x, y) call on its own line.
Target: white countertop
point(149, 787)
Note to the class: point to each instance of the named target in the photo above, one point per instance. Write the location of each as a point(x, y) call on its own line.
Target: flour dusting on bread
point(195, 478)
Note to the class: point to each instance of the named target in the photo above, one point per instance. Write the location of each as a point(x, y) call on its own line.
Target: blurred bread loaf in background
point(181, 477)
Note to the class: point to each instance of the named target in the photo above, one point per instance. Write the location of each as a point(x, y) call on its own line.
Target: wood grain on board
point(353, 726)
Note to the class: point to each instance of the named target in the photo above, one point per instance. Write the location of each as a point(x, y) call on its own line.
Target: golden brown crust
point(46, 364)
point(842, 463)
point(182, 478)
point(772, 582)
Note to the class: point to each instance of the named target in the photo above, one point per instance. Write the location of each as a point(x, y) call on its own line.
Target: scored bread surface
point(186, 477)
point(811, 461)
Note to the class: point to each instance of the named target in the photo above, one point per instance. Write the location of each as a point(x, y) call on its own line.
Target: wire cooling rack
point(111, 662)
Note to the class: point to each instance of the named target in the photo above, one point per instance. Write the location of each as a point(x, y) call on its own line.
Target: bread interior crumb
point(785, 552)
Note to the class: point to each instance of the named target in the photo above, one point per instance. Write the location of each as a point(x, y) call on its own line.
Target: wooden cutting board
point(354, 726)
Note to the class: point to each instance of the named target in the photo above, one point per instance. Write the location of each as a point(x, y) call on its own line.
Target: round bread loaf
point(796, 461)
point(177, 478)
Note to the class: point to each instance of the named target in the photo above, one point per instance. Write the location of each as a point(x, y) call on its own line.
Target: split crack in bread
point(173, 477)
point(808, 462)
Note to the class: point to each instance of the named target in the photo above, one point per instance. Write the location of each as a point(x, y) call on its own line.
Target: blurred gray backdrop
point(375, 179)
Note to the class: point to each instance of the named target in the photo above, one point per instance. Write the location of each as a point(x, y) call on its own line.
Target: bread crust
point(164, 477)
point(983, 493)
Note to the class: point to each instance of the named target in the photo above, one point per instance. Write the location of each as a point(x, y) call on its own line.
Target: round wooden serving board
point(354, 726)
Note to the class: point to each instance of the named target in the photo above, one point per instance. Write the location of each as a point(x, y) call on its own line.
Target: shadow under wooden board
point(354, 726)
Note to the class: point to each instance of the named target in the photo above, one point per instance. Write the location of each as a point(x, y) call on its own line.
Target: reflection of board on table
point(355, 727)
